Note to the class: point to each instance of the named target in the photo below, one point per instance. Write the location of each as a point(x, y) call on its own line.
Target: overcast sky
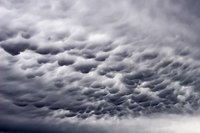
point(99, 66)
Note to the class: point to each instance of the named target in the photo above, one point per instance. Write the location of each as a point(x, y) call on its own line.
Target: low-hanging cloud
point(99, 61)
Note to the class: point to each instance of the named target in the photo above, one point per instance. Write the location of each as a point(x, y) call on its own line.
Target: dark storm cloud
point(93, 61)
point(85, 68)
point(14, 125)
point(15, 48)
point(45, 51)
point(63, 62)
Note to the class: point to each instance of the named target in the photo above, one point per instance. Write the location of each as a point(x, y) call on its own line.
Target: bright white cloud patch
point(156, 124)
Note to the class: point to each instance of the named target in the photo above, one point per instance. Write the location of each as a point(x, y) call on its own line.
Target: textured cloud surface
point(102, 66)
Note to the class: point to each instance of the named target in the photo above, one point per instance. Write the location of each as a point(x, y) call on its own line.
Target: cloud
point(95, 60)
point(161, 124)
point(13, 124)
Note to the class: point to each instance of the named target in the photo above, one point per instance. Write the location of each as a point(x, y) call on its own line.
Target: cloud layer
point(87, 60)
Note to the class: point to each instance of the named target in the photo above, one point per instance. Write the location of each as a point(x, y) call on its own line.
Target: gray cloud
point(84, 60)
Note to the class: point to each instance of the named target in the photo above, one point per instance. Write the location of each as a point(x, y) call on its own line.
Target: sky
point(99, 66)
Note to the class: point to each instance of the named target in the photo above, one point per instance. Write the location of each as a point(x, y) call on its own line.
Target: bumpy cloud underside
point(66, 60)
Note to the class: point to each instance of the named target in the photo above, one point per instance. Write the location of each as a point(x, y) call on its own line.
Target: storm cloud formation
point(87, 65)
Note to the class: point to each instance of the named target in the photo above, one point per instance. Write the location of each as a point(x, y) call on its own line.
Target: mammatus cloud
point(99, 66)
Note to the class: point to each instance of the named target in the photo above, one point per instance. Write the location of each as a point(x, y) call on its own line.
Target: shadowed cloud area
point(89, 66)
